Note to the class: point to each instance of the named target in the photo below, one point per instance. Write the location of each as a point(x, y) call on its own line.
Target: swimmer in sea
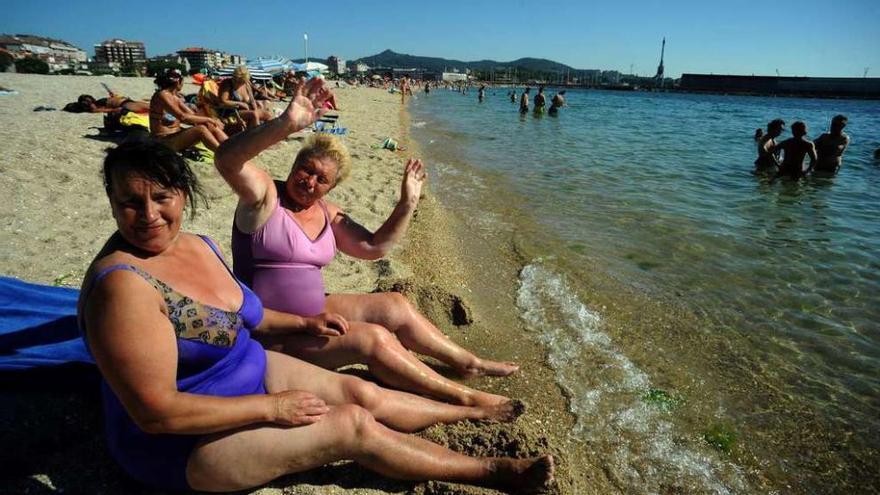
point(794, 150)
point(557, 102)
point(831, 145)
point(768, 156)
point(481, 93)
point(513, 96)
point(540, 101)
point(524, 101)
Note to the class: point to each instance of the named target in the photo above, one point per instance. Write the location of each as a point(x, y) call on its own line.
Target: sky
point(833, 38)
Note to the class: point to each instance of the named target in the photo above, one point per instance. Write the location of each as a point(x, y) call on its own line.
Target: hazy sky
point(808, 37)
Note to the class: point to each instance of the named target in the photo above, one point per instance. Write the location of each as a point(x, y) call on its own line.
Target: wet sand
point(55, 217)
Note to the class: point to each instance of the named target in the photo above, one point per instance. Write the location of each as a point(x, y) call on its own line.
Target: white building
point(454, 77)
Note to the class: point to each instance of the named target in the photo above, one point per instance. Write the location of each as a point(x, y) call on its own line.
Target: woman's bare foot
point(506, 412)
point(482, 399)
point(525, 476)
point(485, 367)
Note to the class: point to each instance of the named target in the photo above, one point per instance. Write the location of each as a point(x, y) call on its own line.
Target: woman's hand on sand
point(327, 325)
point(414, 177)
point(307, 104)
point(298, 408)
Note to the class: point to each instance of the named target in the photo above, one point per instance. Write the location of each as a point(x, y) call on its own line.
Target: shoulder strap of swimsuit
point(103, 274)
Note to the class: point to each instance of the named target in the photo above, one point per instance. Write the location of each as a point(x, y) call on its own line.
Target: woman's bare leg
point(250, 457)
point(394, 312)
point(399, 410)
point(189, 137)
point(386, 357)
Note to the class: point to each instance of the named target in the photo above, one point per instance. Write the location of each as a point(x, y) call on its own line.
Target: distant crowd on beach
point(786, 158)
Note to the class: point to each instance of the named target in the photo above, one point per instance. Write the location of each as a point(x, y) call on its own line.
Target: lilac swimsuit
point(282, 265)
point(216, 356)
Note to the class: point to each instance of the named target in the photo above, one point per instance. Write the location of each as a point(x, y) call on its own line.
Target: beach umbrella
point(257, 74)
point(270, 65)
point(310, 66)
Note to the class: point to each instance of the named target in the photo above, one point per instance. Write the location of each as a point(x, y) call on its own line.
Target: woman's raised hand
point(414, 177)
point(298, 408)
point(307, 104)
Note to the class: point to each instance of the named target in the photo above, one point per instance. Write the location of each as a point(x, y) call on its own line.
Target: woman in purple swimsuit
point(284, 232)
point(193, 402)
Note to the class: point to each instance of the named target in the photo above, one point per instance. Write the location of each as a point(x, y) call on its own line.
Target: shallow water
point(655, 190)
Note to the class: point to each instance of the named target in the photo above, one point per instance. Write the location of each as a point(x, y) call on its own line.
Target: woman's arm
point(227, 101)
point(175, 107)
point(254, 187)
point(134, 346)
point(355, 240)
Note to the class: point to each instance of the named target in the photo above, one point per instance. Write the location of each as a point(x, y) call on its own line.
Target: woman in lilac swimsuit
point(285, 232)
point(191, 401)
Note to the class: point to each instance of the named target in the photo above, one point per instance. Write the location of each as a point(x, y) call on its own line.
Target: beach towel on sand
point(38, 326)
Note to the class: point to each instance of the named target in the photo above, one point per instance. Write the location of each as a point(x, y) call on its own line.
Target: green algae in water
point(721, 437)
point(662, 399)
point(577, 247)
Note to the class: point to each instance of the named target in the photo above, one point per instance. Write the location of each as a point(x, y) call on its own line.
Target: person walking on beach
point(404, 87)
point(794, 150)
point(831, 145)
point(524, 101)
point(557, 102)
point(540, 101)
point(768, 155)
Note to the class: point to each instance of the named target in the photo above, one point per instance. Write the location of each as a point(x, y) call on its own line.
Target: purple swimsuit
point(282, 265)
point(216, 356)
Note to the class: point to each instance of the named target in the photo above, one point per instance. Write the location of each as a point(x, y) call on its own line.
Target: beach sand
point(54, 218)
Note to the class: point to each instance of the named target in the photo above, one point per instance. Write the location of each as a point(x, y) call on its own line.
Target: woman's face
point(147, 214)
point(310, 181)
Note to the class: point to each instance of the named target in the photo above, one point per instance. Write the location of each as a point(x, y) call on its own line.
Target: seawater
point(755, 365)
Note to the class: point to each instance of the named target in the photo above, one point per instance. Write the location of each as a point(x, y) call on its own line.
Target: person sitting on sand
point(192, 402)
point(768, 155)
point(167, 112)
point(284, 232)
point(524, 101)
point(794, 150)
point(831, 145)
point(236, 95)
point(557, 102)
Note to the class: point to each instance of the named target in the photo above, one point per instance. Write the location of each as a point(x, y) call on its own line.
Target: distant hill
point(396, 60)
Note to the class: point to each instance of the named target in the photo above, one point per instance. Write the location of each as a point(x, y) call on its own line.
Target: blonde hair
point(325, 146)
point(241, 72)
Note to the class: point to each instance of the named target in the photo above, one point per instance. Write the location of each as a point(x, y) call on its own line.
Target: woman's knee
point(375, 338)
point(360, 392)
point(354, 424)
point(397, 308)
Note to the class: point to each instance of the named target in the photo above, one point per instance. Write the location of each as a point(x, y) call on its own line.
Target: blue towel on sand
point(38, 326)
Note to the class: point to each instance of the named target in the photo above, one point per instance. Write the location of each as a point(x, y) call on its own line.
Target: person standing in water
point(524, 101)
point(768, 155)
point(795, 149)
point(481, 93)
point(557, 102)
point(831, 145)
point(404, 87)
point(540, 101)
point(513, 95)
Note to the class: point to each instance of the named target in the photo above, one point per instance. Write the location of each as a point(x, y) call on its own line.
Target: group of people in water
point(220, 379)
point(540, 101)
point(786, 158)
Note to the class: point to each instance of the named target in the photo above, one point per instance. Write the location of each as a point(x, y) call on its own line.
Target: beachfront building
point(171, 59)
point(361, 68)
point(60, 55)
point(204, 58)
point(610, 77)
point(118, 53)
point(336, 64)
point(454, 77)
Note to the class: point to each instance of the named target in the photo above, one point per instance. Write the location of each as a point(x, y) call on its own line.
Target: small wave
point(607, 391)
point(419, 125)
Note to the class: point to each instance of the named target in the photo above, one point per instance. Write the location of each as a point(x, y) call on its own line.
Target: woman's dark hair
point(168, 79)
point(156, 162)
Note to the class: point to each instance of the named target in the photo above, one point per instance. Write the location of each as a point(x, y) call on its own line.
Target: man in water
point(482, 93)
point(795, 149)
point(513, 96)
point(831, 145)
point(768, 155)
point(427, 87)
point(557, 102)
point(404, 87)
point(524, 101)
point(540, 101)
